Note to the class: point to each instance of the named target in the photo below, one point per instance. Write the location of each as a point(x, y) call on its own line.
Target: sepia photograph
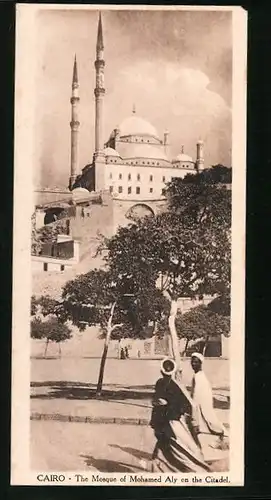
point(129, 246)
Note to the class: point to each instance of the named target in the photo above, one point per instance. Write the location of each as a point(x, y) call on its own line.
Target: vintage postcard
point(129, 246)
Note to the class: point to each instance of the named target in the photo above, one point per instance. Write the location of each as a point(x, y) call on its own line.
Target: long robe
point(210, 427)
point(176, 450)
point(203, 398)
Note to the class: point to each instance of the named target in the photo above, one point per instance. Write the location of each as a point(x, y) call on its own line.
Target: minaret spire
point(75, 74)
point(100, 42)
point(74, 124)
point(99, 92)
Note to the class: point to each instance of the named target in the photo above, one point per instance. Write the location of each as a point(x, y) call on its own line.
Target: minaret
point(99, 92)
point(200, 158)
point(74, 125)
point(166, 141)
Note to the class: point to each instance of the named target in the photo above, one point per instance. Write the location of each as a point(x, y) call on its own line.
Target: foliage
point(178, 255)
point(36, 243)
point(51, 329)
point(88, 299)
point(46, 234)
point(221, 305)
point(202, 322)
point(44, 305)
point(217, 174)
point(200, 203)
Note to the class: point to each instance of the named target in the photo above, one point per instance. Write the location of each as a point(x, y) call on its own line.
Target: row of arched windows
point(138, 178)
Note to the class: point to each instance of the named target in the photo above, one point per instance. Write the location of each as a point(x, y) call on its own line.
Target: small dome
point(183, 157)
point(80, 193)
point(110, 152)
point(134, 125)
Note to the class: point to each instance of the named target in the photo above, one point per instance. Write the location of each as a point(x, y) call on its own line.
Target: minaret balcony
point(75, 99)
point(75, 124)
point(99, 63)
point(99, 91)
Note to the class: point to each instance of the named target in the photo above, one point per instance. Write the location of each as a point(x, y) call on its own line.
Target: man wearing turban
point(205, 416)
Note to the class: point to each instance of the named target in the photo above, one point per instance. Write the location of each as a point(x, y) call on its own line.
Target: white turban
point(173, 366)
point(198, 355)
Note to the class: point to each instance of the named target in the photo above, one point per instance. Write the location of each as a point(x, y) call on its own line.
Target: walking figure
point(176, 450)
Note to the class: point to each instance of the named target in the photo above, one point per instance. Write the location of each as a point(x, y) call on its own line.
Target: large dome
point(140, 150)
point(134, 125)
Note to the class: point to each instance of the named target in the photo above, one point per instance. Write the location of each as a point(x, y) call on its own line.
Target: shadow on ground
point(104, 465)
point(141, 455)
point(113, 392)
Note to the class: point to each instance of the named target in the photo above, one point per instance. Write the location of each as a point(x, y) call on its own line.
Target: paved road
point(59, 447)
point(129, 373)
point(107, 448)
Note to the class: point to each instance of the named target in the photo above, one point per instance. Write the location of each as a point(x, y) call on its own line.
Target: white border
point(21, 474)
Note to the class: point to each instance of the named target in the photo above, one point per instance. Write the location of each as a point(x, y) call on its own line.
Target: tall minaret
point(200, 158)
point(166, 141)
point(74, 125)
point(99, 92)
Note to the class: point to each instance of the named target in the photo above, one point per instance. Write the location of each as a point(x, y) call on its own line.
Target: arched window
point(129, 177)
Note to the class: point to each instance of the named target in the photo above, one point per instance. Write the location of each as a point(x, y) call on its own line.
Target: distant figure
point(138, 354)
point(122, 353)
point(126, 352)
point(176, 449)
point(208, 422)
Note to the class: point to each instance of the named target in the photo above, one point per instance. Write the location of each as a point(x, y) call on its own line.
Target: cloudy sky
point(175, 66)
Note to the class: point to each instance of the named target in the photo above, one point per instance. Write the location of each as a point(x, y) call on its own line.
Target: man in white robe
point(209, 428)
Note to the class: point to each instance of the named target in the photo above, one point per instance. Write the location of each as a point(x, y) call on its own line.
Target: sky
point(174, 66)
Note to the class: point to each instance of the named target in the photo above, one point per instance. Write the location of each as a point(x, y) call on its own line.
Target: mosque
point(133, 165)
point(126, 180)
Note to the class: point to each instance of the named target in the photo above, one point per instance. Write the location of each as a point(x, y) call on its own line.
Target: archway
point(138, 211)
point(52, 214)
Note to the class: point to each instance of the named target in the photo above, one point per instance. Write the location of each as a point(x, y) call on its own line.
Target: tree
point(44, 305)
point(105, 298)
point(46, 234)
point(199, 202)
point(52, 330)
point(204, 200)
point(184, 255)
point(217, 174)
point(201, 323)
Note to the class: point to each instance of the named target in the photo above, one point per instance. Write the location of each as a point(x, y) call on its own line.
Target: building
point(134, 164)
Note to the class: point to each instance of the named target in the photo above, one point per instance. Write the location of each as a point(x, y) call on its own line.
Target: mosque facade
point(134, 164)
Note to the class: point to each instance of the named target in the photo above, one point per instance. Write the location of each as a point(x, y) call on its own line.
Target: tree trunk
point(104, 355)
point(173, 333)
point(186, 346)
point(59, 349)
point(46, 347)
point(205, 345)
